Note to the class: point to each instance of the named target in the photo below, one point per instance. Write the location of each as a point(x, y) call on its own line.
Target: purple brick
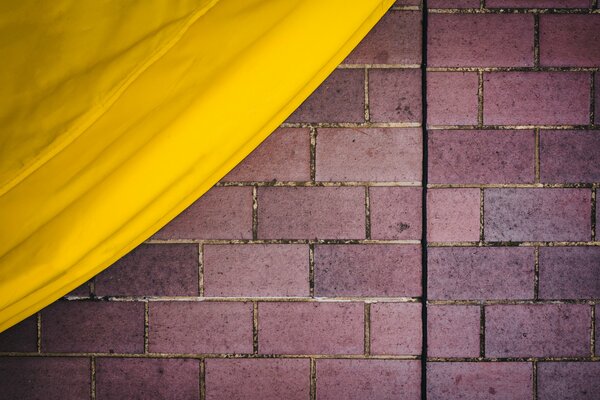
point(569, 156)
point(395, 213)
point(568, 380)
point(396, 329)
point(480, 273)
point(256, 270)
point(570, 40)
point(538, 3)
point(86, 326)
point(311, 212)
point(200, 327)
point(479, 381)
point(221, 213)
point(481, 156)
point(369, 154)
point(407, 3)
point(502, 40)
point(368, 379)
point(453, 215)
point(310, 328)
point(452, 98)
point(372, 270)
point(133, 378)
point(395, 95)
point(537, 214)
point(396, 39)
point(453, 331)
point(152, 270)
point(453, 4)
point(45, 378)
point(537, 330)
point(283, 156)
point(265, 379)
point(544, 98)
point(569, 272)
point(80, 291)
point(340, 98)
point(20, 337)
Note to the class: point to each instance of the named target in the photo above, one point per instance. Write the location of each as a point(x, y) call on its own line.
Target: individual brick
point(536, 98)
point(453, 215)
point(371, 270)
point(537, 330)
point(453, 330)
point(152, 270)
point(396, 329)
point(51, 378)
point(93, 326)
point(221, 213)
point(396, 39)
point(369, 154)
point(20, 337)
point(368, 379)
point(569, 272)
point(265, 379)
point(453, 4)
point(80, 291)
point(503, 40)
point(570, 40)
point(310, 328)
point(482, 157)
point(569, 156)
point(256, 270)
point(395, 95)
point(217, 327)
point(407, 3)
point(537, 3)
point(452, 98)
point(395, 213)
point(340, 98)
point(537, 214)
point(283, 156)
point(568, 380)
point(480, 273)
point(311, 212)
point(479, 381)
point(136, 378)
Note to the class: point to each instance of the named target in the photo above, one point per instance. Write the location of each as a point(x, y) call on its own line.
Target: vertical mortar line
point(367, 213)
point(93, 378)
point(592, 98)
point(593, 332)
point(311, 269)
point(202, 380)
point(480, 98)
point(536, 273)
point(39, 331)
point(313, 379)
point(367, 111)
point(536, 41)
point(481, 4)
point(537, 156)
point(146, 326)
point(482, 331)
point(93, 287)
point(367, 329)
point(255, 327)
point(481, 216)
point(313, 154)
point(594, 210)
point(534, 366)
point(254, 212)
point(201, 269)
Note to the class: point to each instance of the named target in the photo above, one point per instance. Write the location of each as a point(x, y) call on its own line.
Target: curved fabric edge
point(38, 299)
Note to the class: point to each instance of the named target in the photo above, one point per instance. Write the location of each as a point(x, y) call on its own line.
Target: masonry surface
point(311, 272)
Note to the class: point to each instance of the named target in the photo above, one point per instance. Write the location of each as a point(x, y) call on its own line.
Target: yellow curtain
point(117, 115)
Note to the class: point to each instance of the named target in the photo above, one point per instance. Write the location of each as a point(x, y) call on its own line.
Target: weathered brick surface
point(452, 98)
point(395, 213)
point(453, 215)
point(20, 337)
point(395, 95)
point(396, 329)
point(569, 156)
point(538, 3)
point(569, 272)
point(453, 331)
point(570, 40)
point(568, 380)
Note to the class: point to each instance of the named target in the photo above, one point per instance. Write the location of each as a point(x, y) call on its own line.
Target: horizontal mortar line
point(379, 66)
point(513, 11)
point(512, 69)
point(512, 244)
point(320, 183)
point(514, 185)
point(512, 359)
point(248, 299)
point(512, 127)
point(590, 302)
point(281, 241)
point(351, 125)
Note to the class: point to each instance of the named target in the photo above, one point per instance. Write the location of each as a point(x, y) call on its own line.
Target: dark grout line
point(482, 331)
point(93, 378)
point(202, 379)
point(535, 380)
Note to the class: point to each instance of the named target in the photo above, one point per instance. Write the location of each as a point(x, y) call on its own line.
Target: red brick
point(537, 330)
point(396, 39)
point(480, 40)
point(569, 272)
point(200, 327)
point(544, 98)
point(383, 270)
point(395, 213)
point(221, 213)
point(283, 156)
point(340, 98)
point(453, 331)
point(86, 326)
point(265, 379)
point(453, 4)
point(538, 3)
point(369, 154)
point(310, 328)
point(45, 378)
point(481, 156)
point(396, 328)
point(311, 212)
point(479, 381)
point(20, 337)
point(480, 273)
point(568, 380)
point(569, 156)
point(256, 270)
point(368, 379)
point(570, 40)
point(452, 98)
point(537, 214)
point(453, 215)
point(152, 270)
point(133, 378)
point(395, 95)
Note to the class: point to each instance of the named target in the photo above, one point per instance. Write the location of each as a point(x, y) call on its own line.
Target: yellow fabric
point(117, 115)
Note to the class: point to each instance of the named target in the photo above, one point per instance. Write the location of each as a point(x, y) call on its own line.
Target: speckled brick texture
point(424, 226)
